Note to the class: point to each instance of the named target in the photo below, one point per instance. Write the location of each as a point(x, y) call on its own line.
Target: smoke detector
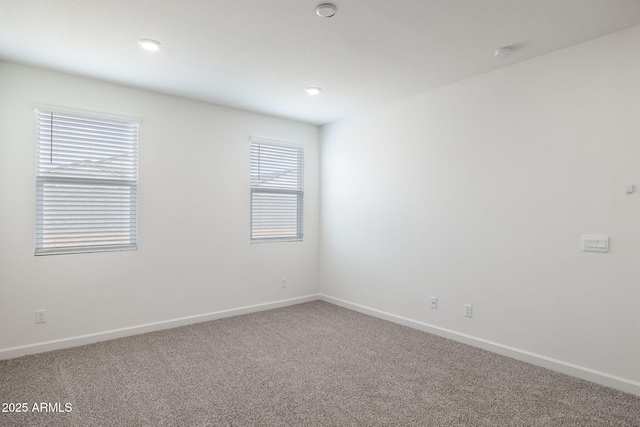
point(326, 10)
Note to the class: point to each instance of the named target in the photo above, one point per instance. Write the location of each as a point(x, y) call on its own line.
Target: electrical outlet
point(468, 310)
point(40, 316)
point(434, 302)
point(284, 282)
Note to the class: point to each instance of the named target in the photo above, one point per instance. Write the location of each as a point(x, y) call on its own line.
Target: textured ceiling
point(260, 55)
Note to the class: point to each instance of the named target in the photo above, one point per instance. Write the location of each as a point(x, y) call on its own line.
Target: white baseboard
point(602, 378)
point(628, 386)
point(13, 352)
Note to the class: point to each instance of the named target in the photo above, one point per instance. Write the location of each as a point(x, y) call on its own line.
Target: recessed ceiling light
point(326, 10)
point(313, 90)
point(148, 44)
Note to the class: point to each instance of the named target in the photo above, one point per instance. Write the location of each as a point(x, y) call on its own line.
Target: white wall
point(194, 254)
point(476, 193)
point(479, 192)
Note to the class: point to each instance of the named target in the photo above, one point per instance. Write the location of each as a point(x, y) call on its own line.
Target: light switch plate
point(593, 243)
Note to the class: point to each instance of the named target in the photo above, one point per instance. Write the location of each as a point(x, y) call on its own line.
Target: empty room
point(298, 213)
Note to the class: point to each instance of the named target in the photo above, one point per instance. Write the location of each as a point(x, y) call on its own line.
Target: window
point(86, 183)
point(277, 191)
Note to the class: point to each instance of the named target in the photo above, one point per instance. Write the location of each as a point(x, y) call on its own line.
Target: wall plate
point(593, 243)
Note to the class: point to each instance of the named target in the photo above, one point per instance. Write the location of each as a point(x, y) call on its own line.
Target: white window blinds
point(86, 183)
point(277, 191)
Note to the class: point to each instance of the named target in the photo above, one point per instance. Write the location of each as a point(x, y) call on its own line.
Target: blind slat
point(277, 191)
point(86, 183)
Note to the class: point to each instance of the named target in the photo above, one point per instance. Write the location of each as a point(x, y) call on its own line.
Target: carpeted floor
point(312, 364)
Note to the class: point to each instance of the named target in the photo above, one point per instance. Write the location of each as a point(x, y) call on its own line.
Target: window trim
point(299, 194)
point(41, 180)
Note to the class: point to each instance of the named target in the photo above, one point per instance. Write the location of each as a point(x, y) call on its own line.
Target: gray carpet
point(312, 364)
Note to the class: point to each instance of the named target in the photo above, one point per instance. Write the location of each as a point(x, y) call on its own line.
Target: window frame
point(273, 190)
point(94, 193)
